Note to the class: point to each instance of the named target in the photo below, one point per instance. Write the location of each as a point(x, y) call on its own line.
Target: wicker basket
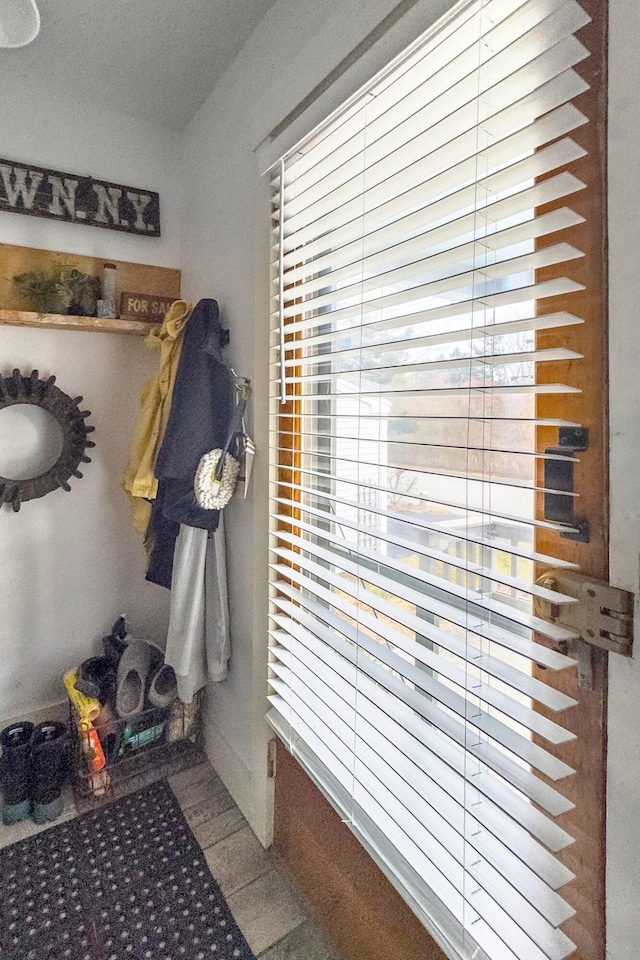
point(130, 746)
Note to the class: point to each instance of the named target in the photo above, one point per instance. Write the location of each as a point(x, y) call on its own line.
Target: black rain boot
point(49, 769)
point(15, 741)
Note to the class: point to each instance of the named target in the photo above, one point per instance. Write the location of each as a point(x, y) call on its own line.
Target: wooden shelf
point(54, 321)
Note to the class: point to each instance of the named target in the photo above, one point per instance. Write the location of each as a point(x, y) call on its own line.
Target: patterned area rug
point(126, 882)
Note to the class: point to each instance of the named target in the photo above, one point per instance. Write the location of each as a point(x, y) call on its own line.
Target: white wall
point(54, 599)
point(79, 138)
point(623, 814)
point(70, 562)
point(225, 254)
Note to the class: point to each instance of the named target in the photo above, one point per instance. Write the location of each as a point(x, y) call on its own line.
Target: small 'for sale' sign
point(144, 306)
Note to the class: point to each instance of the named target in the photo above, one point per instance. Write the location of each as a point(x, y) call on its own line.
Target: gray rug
point(125, 882)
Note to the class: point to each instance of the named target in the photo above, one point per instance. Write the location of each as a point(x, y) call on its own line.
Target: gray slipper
point(133, 671)
point(164, 688)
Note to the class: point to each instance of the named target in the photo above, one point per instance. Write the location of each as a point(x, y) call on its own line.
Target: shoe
point(183, 719)
point(133, 672)
point(119, 630)
point(15, 771)
point(96, 678)
point(50, 763)
point(116, 643)
point(163, 689)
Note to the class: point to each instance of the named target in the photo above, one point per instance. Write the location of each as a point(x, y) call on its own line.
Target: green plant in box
point(62, 289)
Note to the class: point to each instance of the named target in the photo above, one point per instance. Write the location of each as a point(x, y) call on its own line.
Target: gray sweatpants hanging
point(198, 644)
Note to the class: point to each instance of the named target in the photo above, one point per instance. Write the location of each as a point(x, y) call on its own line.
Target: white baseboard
point(253, 793)
point(56, 711)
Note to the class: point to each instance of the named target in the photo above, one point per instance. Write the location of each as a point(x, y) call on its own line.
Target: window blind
point(411, 235)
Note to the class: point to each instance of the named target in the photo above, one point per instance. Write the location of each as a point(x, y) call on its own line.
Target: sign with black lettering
point(70, 197)
point(144, 306)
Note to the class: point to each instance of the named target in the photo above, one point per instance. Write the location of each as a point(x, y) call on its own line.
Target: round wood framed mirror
point(62, 428)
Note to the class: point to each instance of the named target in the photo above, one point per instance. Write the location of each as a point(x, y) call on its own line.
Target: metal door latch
point(271, 759)
point(558, 481)
point(603, 615)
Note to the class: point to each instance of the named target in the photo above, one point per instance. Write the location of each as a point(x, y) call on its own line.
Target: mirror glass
point(31, 441)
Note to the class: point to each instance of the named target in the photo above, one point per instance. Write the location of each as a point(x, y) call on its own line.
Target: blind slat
point(508, 738)
point(390, 90)
point(484, 305)
point(421, 238)
point(447, 770)
point(326, 710)
point(474, 486)
point(421, 244)
point(424, 680)
point(495, 765)
point(378, 229)
point(293, 506)
point(548, 83)
point(359, 820)
point(475, 510)
point(414, 548)
point(433, 76)
point(548, 355)
point(460, 334)
point(418, 649)
point(483, 606)
point(547, 256)
point(510, 747)
point(316, 443)
point(433, 556)
point(522, 646)
point(442, 818)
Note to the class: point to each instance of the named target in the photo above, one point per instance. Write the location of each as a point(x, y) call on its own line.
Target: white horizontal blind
point(407, 245)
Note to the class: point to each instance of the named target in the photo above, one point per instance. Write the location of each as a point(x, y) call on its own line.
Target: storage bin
point(131, 747)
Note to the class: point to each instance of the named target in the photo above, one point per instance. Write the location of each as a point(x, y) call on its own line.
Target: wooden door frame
point(587, 753)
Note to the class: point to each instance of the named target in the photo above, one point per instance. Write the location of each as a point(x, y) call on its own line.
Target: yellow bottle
point(87, 708)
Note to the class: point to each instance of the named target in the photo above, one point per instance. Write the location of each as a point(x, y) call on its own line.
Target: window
point(412, 233)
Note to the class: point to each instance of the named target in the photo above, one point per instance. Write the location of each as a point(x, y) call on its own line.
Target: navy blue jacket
point(201, 410)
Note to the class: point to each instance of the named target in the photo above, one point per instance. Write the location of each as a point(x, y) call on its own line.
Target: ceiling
point(155, 60)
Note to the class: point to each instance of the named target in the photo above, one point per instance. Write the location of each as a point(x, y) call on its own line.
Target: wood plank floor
point(267, 907)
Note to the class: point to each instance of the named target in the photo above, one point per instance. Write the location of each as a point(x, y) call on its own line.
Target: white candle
point(109, 290)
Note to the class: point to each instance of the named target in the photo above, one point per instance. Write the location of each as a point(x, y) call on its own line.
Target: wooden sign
point(76, 199)
point(144, 306)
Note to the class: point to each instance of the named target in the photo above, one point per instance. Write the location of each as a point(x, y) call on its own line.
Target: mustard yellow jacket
point(139, 480)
